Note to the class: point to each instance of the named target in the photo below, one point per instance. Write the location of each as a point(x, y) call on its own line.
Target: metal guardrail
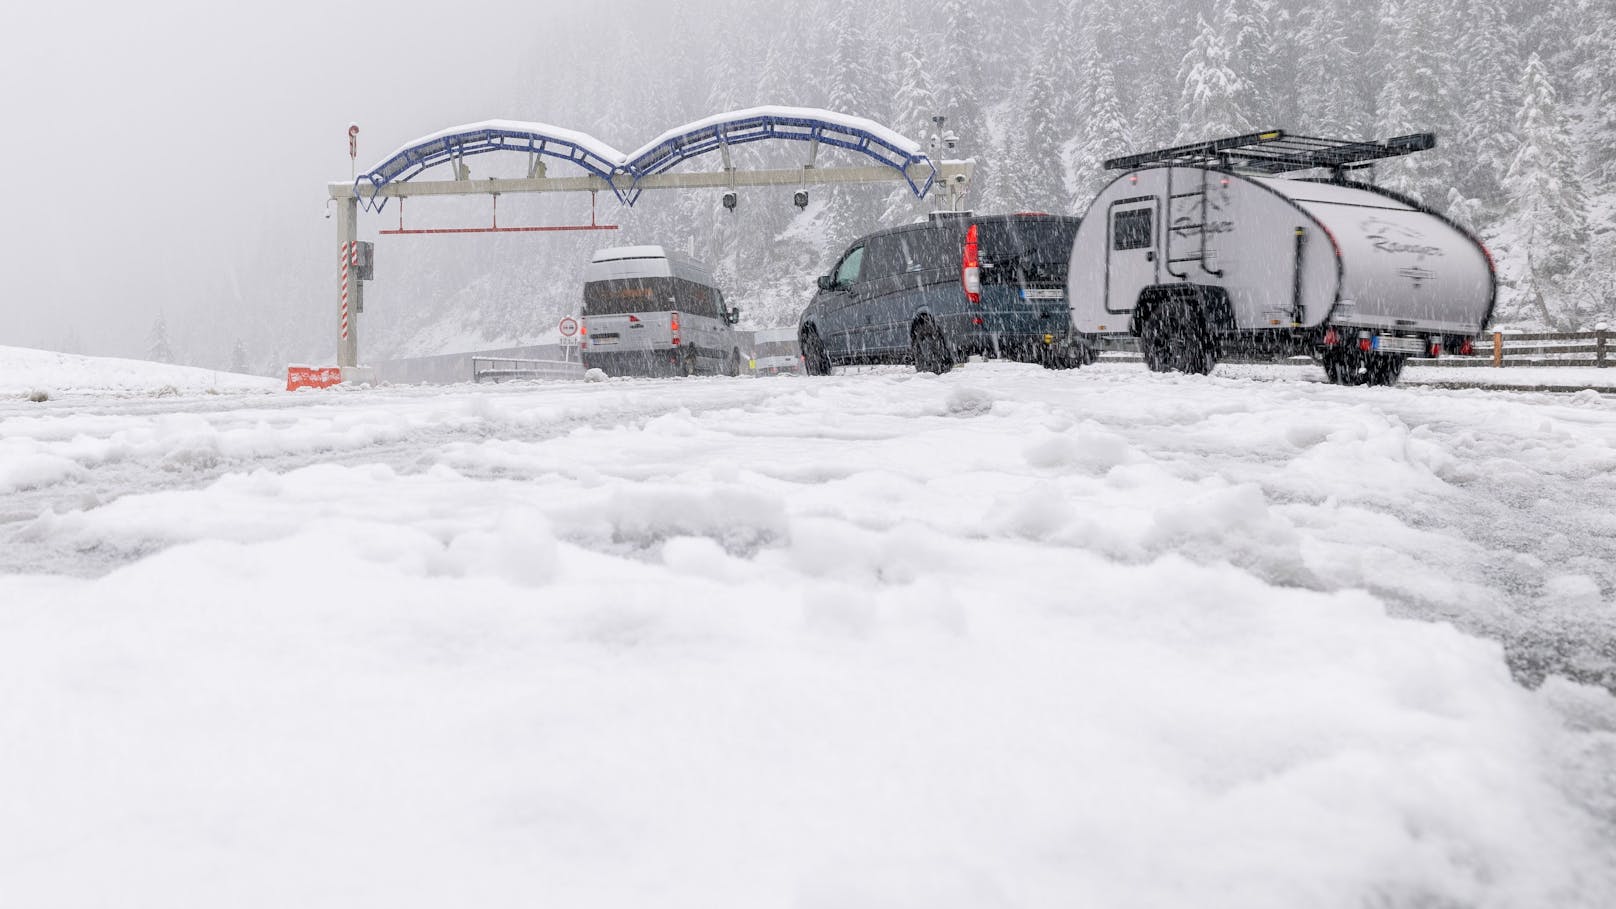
point(1498, 350)
point(501, 369)
point(1501, 349)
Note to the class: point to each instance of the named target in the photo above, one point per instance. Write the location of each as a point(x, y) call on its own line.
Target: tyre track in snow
point(1511, 541)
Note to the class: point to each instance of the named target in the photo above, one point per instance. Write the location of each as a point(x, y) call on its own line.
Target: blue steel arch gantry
point(534, 139)
point(624, 174)
point(821, 127)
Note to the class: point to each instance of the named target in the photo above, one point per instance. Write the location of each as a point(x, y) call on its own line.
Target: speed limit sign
point(569, 327)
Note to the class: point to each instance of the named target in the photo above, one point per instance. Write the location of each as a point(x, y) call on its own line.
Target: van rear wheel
point(930, 348)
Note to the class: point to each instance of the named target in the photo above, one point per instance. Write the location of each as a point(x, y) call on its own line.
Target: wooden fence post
point(1601, 344)
point(1498, 348)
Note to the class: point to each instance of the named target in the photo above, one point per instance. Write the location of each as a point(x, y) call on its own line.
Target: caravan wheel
point(1356, 367)
point(1174, 338)
point(1384, 369)
point(1344, 367)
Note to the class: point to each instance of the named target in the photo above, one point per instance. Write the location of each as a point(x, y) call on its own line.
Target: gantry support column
point(350, 289)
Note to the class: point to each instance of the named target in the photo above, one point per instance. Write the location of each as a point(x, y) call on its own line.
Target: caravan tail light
point(673, 327)
point(1491, 265)
point(1467, 347)
point(971, 267)
point(1331, 338)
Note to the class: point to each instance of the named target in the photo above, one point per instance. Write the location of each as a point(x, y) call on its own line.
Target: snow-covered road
point(1002, 637)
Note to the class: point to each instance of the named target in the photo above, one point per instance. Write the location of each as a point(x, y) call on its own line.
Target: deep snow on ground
point(1004, 637)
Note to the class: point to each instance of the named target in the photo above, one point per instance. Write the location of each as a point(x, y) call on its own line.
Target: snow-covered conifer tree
point(1209, 106)
point(1547, 226)
point(1330, 68)
point(158, 347)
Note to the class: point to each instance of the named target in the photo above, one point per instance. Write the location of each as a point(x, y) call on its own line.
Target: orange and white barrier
point(312, 377)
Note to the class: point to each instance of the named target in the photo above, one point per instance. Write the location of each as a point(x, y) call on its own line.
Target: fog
point(160, 153)
point(175, 159)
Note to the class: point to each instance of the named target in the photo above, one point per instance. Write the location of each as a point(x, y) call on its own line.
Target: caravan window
point(1131, 229)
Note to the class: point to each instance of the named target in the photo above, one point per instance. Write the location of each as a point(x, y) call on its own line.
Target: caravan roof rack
point(1277, 152)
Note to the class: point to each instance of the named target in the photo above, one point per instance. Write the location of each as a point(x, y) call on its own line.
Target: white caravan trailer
point(649, 311)
point(1205, 250)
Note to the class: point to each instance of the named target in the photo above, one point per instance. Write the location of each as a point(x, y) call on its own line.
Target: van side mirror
point(733, 316)
point(824, 282)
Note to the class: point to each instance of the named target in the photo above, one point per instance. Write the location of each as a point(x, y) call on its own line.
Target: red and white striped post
point(349, 288)
point(346, 260)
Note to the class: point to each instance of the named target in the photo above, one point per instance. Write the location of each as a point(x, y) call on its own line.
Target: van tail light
point(1364, 341)
point(673, 326)
point(1467, 347)
point(1435, 346)
point(1331, 338)
point(971, 268)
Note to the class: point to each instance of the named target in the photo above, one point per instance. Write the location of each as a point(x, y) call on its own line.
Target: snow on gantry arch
point(457, 142)
point(672, 148)
point(803, 124)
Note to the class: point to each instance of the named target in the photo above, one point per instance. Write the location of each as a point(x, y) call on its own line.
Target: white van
point(651, 312)
point(775, 351)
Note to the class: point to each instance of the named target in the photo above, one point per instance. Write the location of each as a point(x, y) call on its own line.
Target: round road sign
point(569, 327)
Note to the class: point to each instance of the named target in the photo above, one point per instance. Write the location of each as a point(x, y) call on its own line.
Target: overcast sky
point(150, 146)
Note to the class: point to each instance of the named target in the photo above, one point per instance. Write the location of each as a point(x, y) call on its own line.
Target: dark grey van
point(936, 292)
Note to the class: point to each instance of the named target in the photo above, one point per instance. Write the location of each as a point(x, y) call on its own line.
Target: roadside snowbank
point(24, 371)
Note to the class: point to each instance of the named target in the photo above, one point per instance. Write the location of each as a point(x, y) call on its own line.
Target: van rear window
point(1026, 249)
point(625, 295)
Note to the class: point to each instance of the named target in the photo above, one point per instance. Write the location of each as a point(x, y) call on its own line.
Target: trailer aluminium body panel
point(1198, 257)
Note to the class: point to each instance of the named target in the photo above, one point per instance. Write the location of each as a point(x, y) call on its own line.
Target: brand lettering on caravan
point(1406, 242)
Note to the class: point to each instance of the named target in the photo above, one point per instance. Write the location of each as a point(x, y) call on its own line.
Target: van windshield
point(617, 296)
point(1026, 249)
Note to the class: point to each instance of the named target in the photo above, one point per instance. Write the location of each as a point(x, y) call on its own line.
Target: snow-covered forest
point(1522, 97)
